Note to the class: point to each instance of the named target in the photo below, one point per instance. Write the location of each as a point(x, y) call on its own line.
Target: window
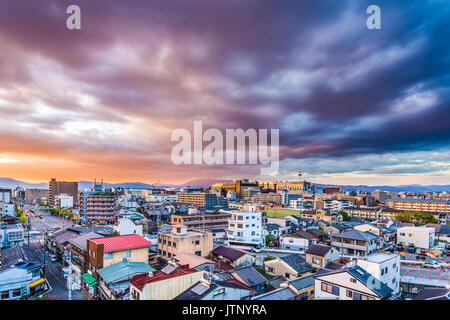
point(35, 274)
point(4, 295)
point(304, 296)
point(198, 253)
point(253, 233)
point(316, 261)
point(270, 269)
point(127, 255)
point(17, 293)
point(108, 255)
point(174, 244)
point(352, 280)
point(169, 243)
point(356, 296)
point(219, 291)
point(349, 293)
point(287, 275)
point(169, 255)
point(326, 287)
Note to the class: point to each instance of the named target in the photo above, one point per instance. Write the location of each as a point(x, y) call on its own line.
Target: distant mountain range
point(13, 183)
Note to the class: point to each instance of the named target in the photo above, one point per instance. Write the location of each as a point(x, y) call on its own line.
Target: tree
point(345, 215)
point(114, 233)
point(269, 238)
point(417, 217)
point(23, 218)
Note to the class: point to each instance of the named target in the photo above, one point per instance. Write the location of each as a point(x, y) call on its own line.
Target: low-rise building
point(319, 255)
point(216, 290)
point(164, 284)
point(355, 243)
point(420, 237)
point(114, 280)
point(350, 283)
point(303, 287)
point(289, 266)
point(384, 267)
point(182, 241)
point(236, 258)
point(251, 278)
point(106, 251)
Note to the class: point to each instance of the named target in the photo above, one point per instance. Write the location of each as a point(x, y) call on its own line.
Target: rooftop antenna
point(299, 174)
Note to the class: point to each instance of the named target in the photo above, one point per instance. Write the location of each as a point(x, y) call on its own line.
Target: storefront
point(89, 285)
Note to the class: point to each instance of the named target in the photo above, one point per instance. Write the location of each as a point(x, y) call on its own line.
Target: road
point(53, 271)
point(426, 273)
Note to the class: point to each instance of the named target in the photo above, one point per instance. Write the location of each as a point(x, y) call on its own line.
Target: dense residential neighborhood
point(132, 244)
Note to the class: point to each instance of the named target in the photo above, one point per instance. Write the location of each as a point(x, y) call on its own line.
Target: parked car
point(433, 265)
point(411, 249)
point(422, 252)
point(421, 257)
point(400, 247)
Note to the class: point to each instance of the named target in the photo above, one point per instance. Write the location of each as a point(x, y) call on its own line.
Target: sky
point(352, 105)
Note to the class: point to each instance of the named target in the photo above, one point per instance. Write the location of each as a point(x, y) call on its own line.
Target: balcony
point(348, 246)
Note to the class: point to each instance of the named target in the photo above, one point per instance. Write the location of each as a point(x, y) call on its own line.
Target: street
point(53, 271)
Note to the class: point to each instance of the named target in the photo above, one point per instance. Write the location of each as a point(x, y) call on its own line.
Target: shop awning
point(33, 284)
point(89, 279)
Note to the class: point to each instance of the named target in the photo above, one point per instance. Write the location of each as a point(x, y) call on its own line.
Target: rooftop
point(123, 271)
point(278, 294)
point(296, 262)
point(228, 253)
point(250, 276)
point(141, 280)
point(129, 241)
point(381, 257)
point(318, 250)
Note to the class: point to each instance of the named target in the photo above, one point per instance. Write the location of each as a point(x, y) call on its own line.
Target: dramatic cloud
point(353, 105)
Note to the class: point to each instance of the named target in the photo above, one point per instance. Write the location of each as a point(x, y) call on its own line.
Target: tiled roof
point(296, 262)
point(318, 250)
point(278, 294)
point(192, 260)
point(250, 276)
point(228, 253)
point(356, 235)
point(11, 256)
point(303, 282)
point(124, 242)
point(81, 241)
point(236, 282)
point(141, 280)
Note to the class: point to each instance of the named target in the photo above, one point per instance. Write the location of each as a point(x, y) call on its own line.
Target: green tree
point(345, 215)
point(23, 218)
point(114, 233)
point(417, 217)
point(269, 238)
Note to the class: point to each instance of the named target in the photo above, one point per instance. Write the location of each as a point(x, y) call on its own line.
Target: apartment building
point(206, 221)
point(426, 205)
point(384, 267)
point(62, 187)
point(63, 201)
point(201, 199)
point(11, 235)
point(181, 241)
point(271, 197)
point(7, 209)
point(245, 228)
point(5, 195)
point(420, 237)
point(98, 206)
point(36, 195)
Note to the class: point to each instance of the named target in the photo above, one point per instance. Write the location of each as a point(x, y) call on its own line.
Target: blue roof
point(123, 271)
point(356, 235)
point(279, 294)
point(370, 281)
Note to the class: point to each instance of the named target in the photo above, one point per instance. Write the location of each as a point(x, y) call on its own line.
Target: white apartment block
point(127, 226)
point(420, 237)
point(64, 201)
point(5, 195)
point(385, 267)
point(245, 227)
point(7, 209)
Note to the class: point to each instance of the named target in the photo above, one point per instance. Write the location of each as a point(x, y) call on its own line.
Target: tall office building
point(62, 187)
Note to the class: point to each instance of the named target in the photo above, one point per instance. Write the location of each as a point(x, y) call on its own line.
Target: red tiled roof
point(129, 241)
point(242, 285)
point(139, 281)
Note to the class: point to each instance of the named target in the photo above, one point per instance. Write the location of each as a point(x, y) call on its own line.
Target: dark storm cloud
point(311, 68)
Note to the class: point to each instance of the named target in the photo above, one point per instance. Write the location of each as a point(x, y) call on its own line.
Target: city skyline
point(353, 106)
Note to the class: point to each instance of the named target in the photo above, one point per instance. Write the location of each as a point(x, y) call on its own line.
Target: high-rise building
point(62, 187)
point(98, 205)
